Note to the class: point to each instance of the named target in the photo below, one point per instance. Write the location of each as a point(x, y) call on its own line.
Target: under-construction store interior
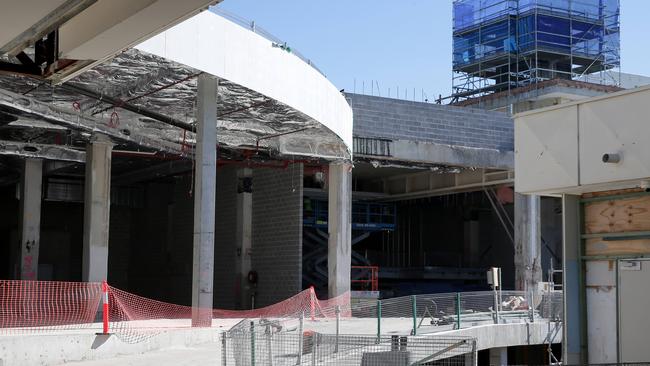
point(432, 243)
point(499, 45)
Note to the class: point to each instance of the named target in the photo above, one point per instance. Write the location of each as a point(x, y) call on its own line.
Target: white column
point(499, 356)
point(528, 242)
point(97, 203)
point(339, 224)
point(30, 214)
point(243, 235)
point(204, 201)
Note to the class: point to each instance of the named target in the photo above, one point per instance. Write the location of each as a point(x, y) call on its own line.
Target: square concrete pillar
point(204, 201)
point(528, 242)
point(499, 356)
point(97, 204)
point(339, 226)
point(31, 182)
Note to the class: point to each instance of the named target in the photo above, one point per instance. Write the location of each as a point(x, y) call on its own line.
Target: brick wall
point(396, 119)
point(277, 233)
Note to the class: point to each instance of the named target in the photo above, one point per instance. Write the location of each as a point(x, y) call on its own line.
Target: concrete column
point(244, 234)
point(204, 201)
point(573, 343)
point(30, 215)
point(97, 204)
point(339, 226)
point(499, 356)
point(528, 242)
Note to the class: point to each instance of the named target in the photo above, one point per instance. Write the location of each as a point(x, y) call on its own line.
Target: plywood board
point(611, 193)
point(615, 216)
point(597, 246)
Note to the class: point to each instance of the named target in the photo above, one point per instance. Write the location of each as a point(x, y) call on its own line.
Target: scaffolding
point(499, 45)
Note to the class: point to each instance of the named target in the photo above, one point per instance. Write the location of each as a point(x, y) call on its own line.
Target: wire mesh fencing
point(421, 314)
point(42, 306)
point(264, 344)
point(45, 306)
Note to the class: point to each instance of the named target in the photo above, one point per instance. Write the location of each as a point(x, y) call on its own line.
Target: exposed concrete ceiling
point(145, 102)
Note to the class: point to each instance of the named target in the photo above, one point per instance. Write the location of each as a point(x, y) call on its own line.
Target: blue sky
point(398, 43)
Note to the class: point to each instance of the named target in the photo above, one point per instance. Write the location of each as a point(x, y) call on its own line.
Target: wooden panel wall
point(623, 215)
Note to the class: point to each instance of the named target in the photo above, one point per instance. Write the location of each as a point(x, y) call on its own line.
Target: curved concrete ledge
point(213, 44)
point(507, 335)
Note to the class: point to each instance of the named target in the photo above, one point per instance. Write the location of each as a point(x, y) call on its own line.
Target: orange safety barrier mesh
point(27, 306)
point(51, 306)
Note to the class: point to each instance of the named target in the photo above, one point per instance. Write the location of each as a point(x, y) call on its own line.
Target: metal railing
point(253, 27)
point(451, 311)
point(279, 348)
point(396, 331)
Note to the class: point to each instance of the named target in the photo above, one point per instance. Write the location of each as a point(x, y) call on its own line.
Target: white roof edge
point(213, 44)
point(583, 101)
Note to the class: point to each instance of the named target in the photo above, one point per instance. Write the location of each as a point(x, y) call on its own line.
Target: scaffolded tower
point(499, 45)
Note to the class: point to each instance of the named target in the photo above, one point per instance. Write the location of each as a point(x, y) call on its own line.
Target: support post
point(496, 305)
point(528, 242)
point(414, 310)
point(499, 356)
point(243, 235)
point(31, 183)
point(97, 204)
point(105, 308)
point(338, 327)
point(573, 344)
point(252, 331)
point(204, 201)
point(224, 349)
point(300, 337)
point(378, 321)
point(339, 228)
point(312, 302)
point(457, 310)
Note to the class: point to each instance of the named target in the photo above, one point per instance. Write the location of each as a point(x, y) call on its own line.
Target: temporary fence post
point(338, 325)
point(496, 306)
point(531, 302)
point(105, 307)
point(314, 348)
point(300, 336)
point(269, 344)
point(457, 310)
point(415, 314)
point(474, 353)
point(224, 353)
point(378, 320)
point(312, 301)
point(252, 343)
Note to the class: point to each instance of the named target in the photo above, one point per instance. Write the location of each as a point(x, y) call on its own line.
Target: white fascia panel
point(212, 44)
